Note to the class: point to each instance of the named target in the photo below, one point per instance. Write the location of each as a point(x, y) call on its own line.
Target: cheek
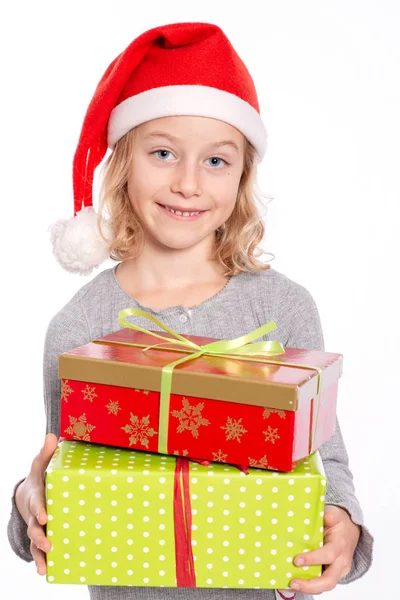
point(133, 192)
point(226, 192)
point(142, 183)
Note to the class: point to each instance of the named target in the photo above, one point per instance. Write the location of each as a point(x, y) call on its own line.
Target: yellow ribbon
point(238, 348)
point(241, 348)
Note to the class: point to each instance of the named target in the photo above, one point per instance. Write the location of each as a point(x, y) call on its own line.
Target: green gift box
point(115, 519)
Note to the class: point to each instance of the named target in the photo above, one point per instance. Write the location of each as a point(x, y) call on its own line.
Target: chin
point(176, 245)
point(172, 243)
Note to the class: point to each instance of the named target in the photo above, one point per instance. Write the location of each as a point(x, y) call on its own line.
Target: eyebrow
point(171, 138)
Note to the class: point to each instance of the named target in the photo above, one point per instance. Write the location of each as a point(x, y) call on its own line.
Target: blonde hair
point(236, 240)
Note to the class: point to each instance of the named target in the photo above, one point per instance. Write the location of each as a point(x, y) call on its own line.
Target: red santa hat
point(176, 69)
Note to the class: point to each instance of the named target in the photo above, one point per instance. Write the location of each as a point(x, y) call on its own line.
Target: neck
point(159, 268)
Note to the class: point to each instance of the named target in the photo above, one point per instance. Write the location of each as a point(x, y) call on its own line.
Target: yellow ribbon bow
point(241, 348)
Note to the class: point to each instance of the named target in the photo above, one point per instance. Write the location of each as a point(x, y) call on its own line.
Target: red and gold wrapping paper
point(248, 413)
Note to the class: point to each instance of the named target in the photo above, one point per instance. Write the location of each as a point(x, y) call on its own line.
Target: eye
point(162, 154)
point(216, 161)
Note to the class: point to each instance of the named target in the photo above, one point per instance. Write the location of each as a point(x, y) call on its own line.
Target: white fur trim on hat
point(195, 100)
point(77, 243)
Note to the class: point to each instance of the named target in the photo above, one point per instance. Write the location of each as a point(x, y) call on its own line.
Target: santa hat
point(176, 69)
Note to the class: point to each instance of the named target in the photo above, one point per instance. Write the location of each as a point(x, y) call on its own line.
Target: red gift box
point(221, 409)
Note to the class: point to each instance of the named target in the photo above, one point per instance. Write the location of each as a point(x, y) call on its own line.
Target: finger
point(37, 536)
point(37, 505)
point(317, 585)
point(321, 556)
point(39, 558)
point(41, 461)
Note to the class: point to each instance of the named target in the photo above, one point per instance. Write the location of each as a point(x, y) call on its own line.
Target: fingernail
point(299, 562)
point(295, 586)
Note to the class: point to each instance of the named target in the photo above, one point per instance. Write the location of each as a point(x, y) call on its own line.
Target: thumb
point(49, 447)
point(39, 466)
point(332, 516)
point(42, 460)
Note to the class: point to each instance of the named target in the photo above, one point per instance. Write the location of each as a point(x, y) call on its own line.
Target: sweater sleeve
point(67, 330)
point(305, 331)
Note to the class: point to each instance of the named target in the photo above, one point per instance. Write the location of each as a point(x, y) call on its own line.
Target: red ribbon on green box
point(185, 573)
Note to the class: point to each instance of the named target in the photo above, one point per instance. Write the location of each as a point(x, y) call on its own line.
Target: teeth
point(180, 213)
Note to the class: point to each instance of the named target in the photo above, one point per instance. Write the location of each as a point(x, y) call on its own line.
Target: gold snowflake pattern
point(269, 411)
point(271, 435)
point(66, 390)
point(140, 430)
point(260, 464)
point(89, 393)
point(190, 417)
point(179, 453)
point(113, 407)
point(219, 456)
point(79, 428)
point(234, 429)
point(145, 392)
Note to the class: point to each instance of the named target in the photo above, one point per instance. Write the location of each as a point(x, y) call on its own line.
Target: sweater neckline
point(178, 307)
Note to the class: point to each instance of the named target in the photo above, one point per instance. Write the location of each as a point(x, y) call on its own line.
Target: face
point(184, 178)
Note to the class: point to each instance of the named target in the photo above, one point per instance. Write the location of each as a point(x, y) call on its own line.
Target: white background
point(328, 80)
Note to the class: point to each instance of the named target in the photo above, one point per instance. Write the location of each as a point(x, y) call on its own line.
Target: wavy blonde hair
point(236, 241)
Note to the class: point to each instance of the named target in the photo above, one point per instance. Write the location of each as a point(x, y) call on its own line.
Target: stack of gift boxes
point(206, 474)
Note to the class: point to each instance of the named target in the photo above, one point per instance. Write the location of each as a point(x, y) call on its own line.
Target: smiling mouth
point(179, 212)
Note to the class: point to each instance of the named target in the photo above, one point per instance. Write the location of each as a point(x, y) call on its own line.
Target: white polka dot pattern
point(114, 525)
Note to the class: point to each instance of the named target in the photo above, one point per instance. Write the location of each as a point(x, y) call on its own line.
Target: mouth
point(181, 213)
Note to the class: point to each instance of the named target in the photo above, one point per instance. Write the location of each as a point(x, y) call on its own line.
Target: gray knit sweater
point(247, 301)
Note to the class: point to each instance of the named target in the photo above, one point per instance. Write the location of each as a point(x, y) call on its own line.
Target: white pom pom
point(77, 243)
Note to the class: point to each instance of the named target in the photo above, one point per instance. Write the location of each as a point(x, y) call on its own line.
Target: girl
point(179, 111)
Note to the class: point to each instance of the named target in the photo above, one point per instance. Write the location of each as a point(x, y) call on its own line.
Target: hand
point(31, 503)
point(340, 540)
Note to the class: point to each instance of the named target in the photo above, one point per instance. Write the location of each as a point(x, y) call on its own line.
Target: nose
point(186, 180)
